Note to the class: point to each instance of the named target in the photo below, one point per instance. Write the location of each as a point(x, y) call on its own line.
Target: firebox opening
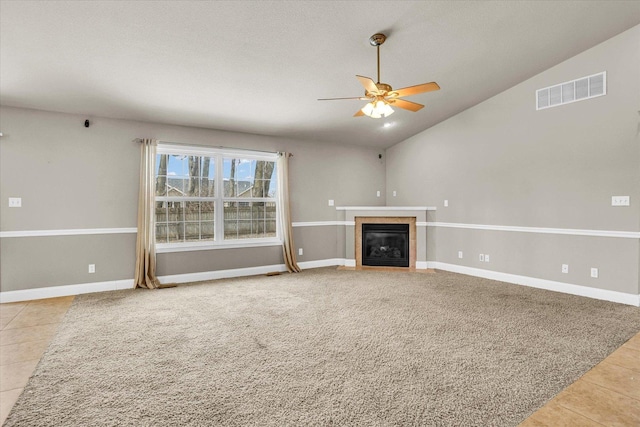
point(385, 245)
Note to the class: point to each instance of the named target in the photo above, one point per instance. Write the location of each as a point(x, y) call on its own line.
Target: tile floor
point(26, 328)
point(607, 395)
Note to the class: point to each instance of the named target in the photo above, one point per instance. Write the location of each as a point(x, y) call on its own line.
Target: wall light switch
point(446, 203)
point(481, 257)
point(594, 273)
point(331, 203)
point(619, 200)
point(460, 254)
point(15, 202)
point(565, 268)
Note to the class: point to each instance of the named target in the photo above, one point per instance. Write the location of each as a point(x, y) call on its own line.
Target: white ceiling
point(259, 67)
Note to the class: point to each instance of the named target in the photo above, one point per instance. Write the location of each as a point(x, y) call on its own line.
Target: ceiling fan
point(381, 96)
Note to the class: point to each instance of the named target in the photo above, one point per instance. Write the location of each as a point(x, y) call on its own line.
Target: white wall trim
point(64, 290)
point(68, 232)
point(541, 230)
point(321, 263)
point(567, 288)
point(349, 262)
point(319, 223)
point(422, 265)
point(221, 274)
point(385, 208)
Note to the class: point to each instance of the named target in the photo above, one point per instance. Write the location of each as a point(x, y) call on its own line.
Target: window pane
point(244, 229)
point(161, 233)
point(161, 212)
point(175, 211)
point(230, 229)
point(257, 210)
point(230, 211)
point(207, 230)
point(192, 211)
point(270, 228)
point(192, 231)
point(270, 210)
point(161, 174)
point(175, 231)
point(207, 211)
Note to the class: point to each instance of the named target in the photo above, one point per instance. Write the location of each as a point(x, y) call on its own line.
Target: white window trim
point(219, 154)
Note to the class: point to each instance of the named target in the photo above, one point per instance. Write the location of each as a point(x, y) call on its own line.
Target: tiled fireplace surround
point(415, 216)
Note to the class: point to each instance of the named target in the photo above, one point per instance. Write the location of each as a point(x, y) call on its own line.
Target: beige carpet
point(323, 347)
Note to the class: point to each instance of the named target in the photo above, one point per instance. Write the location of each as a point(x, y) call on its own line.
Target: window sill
point(206, 246)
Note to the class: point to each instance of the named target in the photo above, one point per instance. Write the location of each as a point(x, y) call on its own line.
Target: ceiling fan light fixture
point(377, 109)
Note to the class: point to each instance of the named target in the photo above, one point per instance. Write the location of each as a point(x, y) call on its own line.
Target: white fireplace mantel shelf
point(385, 208)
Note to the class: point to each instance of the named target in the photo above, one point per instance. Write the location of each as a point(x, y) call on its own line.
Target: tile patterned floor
point(607, 395)
point(26, 328)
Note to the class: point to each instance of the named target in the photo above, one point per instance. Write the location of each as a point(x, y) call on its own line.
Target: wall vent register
point(572, 91)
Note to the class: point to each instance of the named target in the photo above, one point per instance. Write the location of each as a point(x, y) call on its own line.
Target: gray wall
point(504, 163)
point(72, 177)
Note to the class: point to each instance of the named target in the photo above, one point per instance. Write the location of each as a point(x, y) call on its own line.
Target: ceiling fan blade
point(414, 90)
point(407, 105)
point(369, 85)
point(335, 99)
point(359, 113)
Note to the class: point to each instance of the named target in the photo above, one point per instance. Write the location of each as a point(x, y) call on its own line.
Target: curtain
point(285, 214)
point(145, 275)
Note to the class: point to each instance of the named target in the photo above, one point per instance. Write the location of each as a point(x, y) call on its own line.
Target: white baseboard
point(567, 288)
point(64, 290)
point(221, 274)
point(321, 263)
point(83, 288)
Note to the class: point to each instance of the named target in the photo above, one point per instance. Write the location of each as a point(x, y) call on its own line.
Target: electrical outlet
point(15, 202)
point(92, 268)
point(331, 202)
point(300, 251)
point(460, 254)
point(619, 200)
point(394, 193)
point(565, 268)
point(486, 258)
point(378, 193)
point(594, 273)
point(446, 203)
point(481, 257)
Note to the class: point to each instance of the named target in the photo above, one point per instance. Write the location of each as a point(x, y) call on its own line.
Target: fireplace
point(385, 245)
point(385, 241)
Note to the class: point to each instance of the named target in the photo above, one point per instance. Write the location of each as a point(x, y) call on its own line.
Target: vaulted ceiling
point(259, 67)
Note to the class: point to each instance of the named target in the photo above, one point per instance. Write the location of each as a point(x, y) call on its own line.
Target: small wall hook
point(86, 123)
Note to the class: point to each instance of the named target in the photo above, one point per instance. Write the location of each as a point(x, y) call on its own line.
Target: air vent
point(575, 90)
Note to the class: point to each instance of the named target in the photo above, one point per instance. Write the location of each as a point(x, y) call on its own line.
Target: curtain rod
point(212, 146)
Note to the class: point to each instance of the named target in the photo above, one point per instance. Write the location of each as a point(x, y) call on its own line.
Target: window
point(211, 198)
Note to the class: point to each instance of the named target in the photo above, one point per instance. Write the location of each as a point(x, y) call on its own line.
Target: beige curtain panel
point(285, 214)
point(145, 275)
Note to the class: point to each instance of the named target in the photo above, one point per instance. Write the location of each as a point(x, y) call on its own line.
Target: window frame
point(218, 155)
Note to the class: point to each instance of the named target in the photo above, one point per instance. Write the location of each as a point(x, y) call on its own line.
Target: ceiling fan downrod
point(376, 40)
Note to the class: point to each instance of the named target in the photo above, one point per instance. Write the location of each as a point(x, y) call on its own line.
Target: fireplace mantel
point(385, 208)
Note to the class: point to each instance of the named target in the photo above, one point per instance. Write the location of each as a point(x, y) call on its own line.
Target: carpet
point(319, 348)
